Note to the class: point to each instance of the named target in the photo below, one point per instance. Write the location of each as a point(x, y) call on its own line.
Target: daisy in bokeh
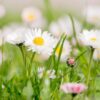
point(33, 17)
point(65, 51)
point(92, 14)
point(90, 38)
point(17, 36)
point(40, 42)
point(2, 11)
point(64, 25)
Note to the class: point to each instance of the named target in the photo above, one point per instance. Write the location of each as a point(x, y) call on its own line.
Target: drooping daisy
point(74, 88)
point(33, 16)
point(65, 51)
point(96, 54)
point(64, 25)
point(92, 14)
point(40, 42)
point(90, 38)
point(2, 11)
point(17, 36)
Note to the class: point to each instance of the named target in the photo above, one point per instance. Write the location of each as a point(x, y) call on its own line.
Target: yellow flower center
point(58, 50)
point(31, 17)
point(38, 41)
point(93, 39)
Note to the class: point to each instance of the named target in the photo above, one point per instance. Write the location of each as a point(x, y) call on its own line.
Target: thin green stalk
point(80, 55)
point(74, 31)
point(24, 57)
point(54, 58)
point(89, 67)
point(2, 51)
point(61, 48)
point(30, 64)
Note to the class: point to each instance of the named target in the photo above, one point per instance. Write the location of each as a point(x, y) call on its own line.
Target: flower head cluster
point(40, 42)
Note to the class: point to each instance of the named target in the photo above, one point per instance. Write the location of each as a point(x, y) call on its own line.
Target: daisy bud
point(71, 62)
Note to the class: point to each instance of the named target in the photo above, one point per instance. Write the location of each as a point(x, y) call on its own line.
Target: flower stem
point(89, 67)
point(30, 64)
point(24, 58)
point(2, 51)
point(74, 30)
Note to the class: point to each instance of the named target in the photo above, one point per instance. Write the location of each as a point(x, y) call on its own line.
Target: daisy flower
point(93, 14)
point(33, 16)
point(96, 55)
point(74, 88)
point(65, 51)
point(16, 36)
point(2, 11)
point(40, 42)
point(90, 38)
point(64, 25)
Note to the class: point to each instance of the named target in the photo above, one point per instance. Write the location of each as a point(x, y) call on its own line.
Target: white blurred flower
point(17, 36)
point(11, 29)
point(40, 72)
point(33, 17)
point(64, 25)
point(90, 38)
point(40, 42)
point(96, 54)
point(93, 14)
point(65, 51)
point(2, 11)
point(51, 74)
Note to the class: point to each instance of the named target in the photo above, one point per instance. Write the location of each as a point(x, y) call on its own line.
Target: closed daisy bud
point(71, 62)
